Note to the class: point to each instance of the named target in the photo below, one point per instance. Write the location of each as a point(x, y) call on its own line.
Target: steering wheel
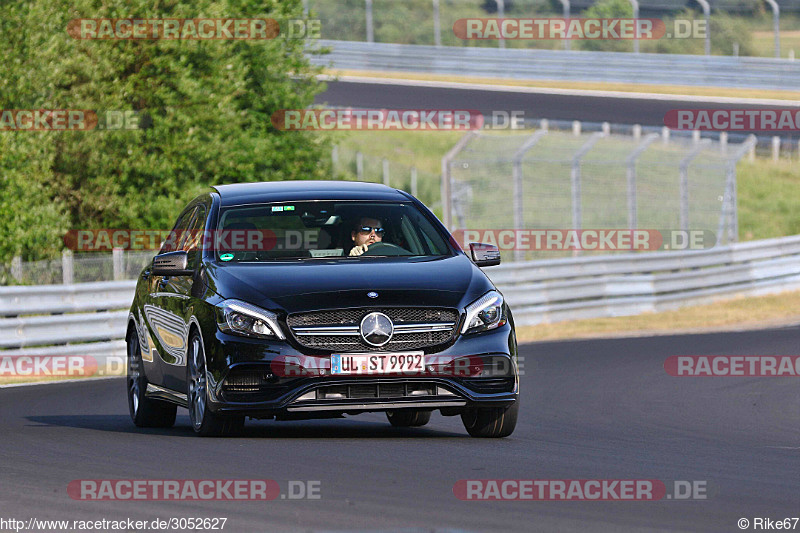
point(385, 248)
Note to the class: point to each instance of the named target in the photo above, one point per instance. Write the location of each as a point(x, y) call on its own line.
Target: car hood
point(325, 284)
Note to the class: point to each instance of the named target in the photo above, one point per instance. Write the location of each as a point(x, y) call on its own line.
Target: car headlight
point(249, 320)
point(485, 313)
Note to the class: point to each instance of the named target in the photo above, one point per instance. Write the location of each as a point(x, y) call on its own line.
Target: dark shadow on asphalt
point(345, 428)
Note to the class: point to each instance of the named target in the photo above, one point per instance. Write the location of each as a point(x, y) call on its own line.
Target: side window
point(172, 242)
point(196, 227)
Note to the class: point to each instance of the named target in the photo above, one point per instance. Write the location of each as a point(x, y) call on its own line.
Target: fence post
point(437, 30)
point(519, 204)
point(637, 132)
point(368, 14)
point(576, 128)
point(729, 199)
point(665, 135)
point(723, 142)
point(635, 6)
point(575, 178)
point(683, 169)
point(630, 163)
point(445, 186)
point(707, 13)
point(776, 24)
point(414, 182)
point(118, 260)
point(501, 12)
point(385, 164)
point(16, 268)
point(566, 5)
point(359, 166)
point(67, 271)
point(776, 148)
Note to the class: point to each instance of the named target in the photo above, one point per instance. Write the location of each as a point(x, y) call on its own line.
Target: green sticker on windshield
point(288, 208)
point(226, 257)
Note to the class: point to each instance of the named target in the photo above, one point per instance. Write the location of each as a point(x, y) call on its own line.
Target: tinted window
point(325, 229)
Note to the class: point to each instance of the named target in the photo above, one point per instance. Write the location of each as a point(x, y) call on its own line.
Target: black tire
point(491, 422)
point(204, 422)
point(408, 418)
point(145, 412)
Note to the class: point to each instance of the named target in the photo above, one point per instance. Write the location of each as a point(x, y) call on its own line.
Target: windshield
point(326, 229)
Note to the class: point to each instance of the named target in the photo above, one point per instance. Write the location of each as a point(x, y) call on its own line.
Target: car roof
point(286, 191)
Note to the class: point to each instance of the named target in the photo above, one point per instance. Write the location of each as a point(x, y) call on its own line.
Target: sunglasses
point(369, 229)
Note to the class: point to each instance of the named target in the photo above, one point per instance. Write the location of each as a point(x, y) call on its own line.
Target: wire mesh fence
point(555, 182)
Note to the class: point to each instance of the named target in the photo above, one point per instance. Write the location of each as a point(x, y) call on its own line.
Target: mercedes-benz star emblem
point(372, 294)
point(376, 329)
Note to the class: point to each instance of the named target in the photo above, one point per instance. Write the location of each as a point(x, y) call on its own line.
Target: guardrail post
point(566, 5)
point(576, 127)
point(385, 164)
point(707, 12)
point(575, 178)
point(67, 272)
point(118, 260)
point(501, 12)
point(637, 132)
point(630, 163)
point(519, 204)
point(437, 29)
point(335, 155)
point(605, 127)
point(776, 24)
point(684, 182)
point(359, 166)
point(446, 184)
point(16, 268)
point(368, 15)
point(635, 6)
point(665, 135)
point(776, 148)
point(414, 182)
point(723, 142)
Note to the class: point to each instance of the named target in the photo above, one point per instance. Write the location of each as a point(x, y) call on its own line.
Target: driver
point(367, 231)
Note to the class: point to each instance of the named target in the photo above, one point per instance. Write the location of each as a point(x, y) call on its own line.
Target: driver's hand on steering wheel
point(358, 250)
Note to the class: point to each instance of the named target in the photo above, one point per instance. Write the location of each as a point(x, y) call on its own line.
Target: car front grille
point(338, 330)
point(376, 390)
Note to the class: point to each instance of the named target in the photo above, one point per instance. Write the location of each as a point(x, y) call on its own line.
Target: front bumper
point(243, 380)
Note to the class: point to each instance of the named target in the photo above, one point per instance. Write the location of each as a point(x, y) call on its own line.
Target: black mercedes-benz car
point(312, 299)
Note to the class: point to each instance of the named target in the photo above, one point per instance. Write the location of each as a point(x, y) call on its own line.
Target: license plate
point(386, 363)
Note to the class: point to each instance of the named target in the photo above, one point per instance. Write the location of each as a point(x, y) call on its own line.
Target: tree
point(204, 109)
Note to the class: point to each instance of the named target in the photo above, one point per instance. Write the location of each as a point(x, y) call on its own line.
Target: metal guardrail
point(617, 67)
point(630, 284)
point(90, 318)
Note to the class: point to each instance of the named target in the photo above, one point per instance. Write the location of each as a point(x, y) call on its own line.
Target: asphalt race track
point(619, 110)
point(598, 409)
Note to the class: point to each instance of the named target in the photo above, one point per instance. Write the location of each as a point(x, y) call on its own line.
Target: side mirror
point(172, 264)
point(484, 255)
